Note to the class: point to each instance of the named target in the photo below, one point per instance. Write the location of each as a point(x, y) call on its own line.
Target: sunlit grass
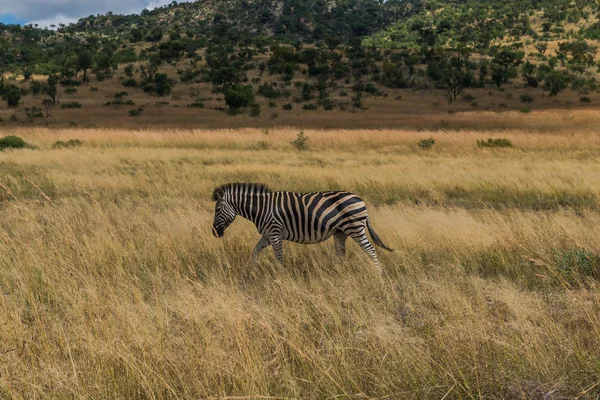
point(112, 285)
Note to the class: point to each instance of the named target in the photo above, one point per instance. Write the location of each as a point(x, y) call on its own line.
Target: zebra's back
point(314, 217)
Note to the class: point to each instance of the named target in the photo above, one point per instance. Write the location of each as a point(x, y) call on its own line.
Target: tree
point(504, 65)
point(452, 74)
point(541, 47)
point(128, 70)
point(69, 67)
point(51, 88)
point(528, 70)
point(555, 82)
point(332, 42)
point(84, 62)
point(12, 95)
point(239, 96)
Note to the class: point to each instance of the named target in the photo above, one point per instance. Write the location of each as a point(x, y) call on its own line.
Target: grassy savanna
point(112, 285)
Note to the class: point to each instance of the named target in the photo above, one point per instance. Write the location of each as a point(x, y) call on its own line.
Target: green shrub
point(239, 96)
point(328, 104)
point(269, 91)
point(255, 110)
point(577, 263)
point(71, 104)
point(525, 98)
point(272, 104)
point(11, 94)
point(525, 110)
point(585, 99)
point(34, 112)
point(70, 90)
point(197, 104)
point(69, 143)
point(131, 82)
point(301, 142)
point(310, 107)
point(426, 143)
point(494, 143)
point(287, 106)
point(136, 112)
point(263, 145)
point(12, 142)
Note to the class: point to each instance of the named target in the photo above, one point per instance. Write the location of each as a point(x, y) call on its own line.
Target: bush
point(69, 143)
point(525, 110)
point(100, 76)
point(269, 91)
point(131, 82)
point(525, 98)
point(263, 145)
point(136, 112)
point(577, 263)
point(328, 104)
point(12, 142)
point(239, 96)
point(93, 89)
point(426, 143)
point(301, 142)
point(71, 104)
point(34, 112)
point(310, 107)
point(12, 95)
point(70, 90)
point(197, 104)
point(272, 104)
point(585, 99)
point(255, 110)
point(287, 106)
point(494, 143)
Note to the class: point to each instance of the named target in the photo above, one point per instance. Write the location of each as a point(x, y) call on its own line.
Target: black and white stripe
point(297, 217)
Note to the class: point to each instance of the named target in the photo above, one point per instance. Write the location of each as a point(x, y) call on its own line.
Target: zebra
point(296, 217)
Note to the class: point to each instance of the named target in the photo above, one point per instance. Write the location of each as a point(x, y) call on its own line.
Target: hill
point(305, 61)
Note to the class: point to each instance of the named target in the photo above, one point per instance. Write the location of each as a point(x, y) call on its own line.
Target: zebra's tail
point(376, 238)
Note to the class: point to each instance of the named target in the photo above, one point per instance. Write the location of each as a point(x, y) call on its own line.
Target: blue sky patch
point(10, 19)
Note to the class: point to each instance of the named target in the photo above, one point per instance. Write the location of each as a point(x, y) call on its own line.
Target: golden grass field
point(113, 287)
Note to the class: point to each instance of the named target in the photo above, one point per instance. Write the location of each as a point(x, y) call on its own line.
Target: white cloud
point(47, 12)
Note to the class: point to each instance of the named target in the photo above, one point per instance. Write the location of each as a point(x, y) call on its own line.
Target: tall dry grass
point(112, 285)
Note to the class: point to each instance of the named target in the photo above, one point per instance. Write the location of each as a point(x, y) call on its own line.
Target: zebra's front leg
point(260, 246)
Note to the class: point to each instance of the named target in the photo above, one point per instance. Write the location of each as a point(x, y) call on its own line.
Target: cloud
point(47, 12)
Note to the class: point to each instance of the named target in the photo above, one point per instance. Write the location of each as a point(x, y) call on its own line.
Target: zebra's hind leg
point(340, 243)
point(260, 246)
point(360, 237)
point(276, 242)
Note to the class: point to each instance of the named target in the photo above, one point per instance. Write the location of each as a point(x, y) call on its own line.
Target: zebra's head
point(224, 212)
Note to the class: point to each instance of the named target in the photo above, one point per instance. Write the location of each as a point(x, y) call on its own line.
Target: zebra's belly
point(307, 240)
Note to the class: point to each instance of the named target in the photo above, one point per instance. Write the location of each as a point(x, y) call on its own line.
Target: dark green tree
point(239, 96)
point(555, 82)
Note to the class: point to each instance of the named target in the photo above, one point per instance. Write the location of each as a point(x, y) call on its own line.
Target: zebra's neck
point(252, 206)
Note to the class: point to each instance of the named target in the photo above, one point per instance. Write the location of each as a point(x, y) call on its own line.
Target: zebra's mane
point(257, 188)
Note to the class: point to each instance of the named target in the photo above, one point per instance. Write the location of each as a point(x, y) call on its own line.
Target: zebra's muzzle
point(216, 233)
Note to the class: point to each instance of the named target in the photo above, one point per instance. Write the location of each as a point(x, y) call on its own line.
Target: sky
point(47, 12)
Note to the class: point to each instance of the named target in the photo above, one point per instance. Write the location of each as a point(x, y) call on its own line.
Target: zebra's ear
point(217, 194)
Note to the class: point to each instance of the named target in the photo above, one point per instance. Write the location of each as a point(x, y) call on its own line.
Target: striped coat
point(296, 217)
